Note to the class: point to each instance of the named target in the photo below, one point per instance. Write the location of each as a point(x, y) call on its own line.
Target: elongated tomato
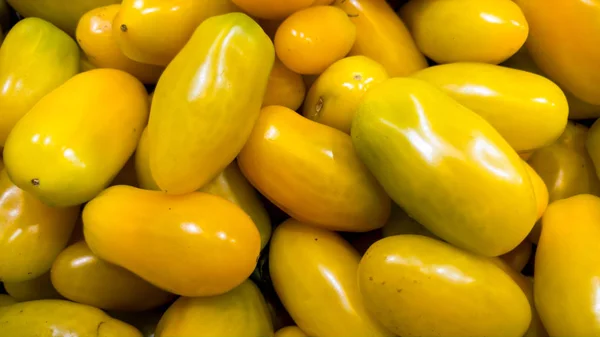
point(311, 171)
point(39, 288)
point(207, 101)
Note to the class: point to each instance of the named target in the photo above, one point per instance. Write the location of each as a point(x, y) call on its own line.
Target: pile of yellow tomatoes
point(296, 168)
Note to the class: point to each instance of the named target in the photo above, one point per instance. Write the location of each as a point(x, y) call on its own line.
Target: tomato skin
point(285, 87)
point(273, 9)
point(39, 288)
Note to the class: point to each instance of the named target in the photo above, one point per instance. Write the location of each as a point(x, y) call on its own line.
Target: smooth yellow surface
point(63, 14)
point(334, 97)
point(39, 288)
point(31, 233)
point(312, 39)
point(285, 87)
point(273, 9)
point(35, 58)
point(419, 286)
point(566, 273)
point(154, 31)
point(6, 300)
point(155, 235)
point(401, 223)
point(320, 289)
point(142, 163)
point(456, 179)
point(95, 36)
point(563, 40)
point(518, 257)
point(207, 101)
point(381, 36)
point(290, 331)
point(592, 145)
point(77, 138)
point(312, 173)
point(80, 276)
point(530, 115)
point(240, 312)
point(539, 189)
point(447, 31)
point(61, 318)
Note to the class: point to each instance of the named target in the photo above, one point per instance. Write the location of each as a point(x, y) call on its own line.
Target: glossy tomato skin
point(272, 9)
point(285, 87)
point(39, 288)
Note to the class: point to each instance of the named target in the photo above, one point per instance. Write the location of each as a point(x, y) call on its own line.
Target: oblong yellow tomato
point(488, 31)
point(401, 223)
point(78, 137)
point(564, 265)
point(6, 300)
point(80, 276)
point(333, 98)
point(456, 179)
point(154, 31)
point(290, 331)
point(95, 36)
point(419, 286)
point(319, 290)
point(529, 116)
point(272, 9)
point(311, 172)
point(212, 316)
point(35, 58)
point(518, 257)
point(207, 101)
point(381, 36)
point(61, 318)
point(285, 87)
point(63, 14)
point(39, 288)
point(568, 51)
point(31, 233)
point(154, 234)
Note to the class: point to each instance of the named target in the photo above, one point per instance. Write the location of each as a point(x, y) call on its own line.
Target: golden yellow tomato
point(563, 40)
point(154, 31)
point(529, 116)
point(39, 288)
point(518, 257)
point(80, 276)
point(272, 9)
point(239, 312)
point(401, 223)
point(207, 101)
point(456, 179)
point(31, 233)
point(35, 58)
point(419, 286)
point(78, 137)
point(312, 173)
point(320, 289)
point(566, 272)
point(154, 235)
point(95, 36)
point(447, 31)
point(285, 87)
point(290, 331)
point(312, 39)
point(381, 36)
point(6, 300)
point(60, 318)
point(334, 97)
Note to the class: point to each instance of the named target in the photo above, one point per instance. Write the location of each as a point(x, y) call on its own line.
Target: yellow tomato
point(154, 31)
point(6, 300)
point(381, 36)
point(95, 36)
point(401, 223)
point(35, 58)
point(539, 189)
point(290, 331)
point(60, 318)
point(333, 98)
point(63, 14)
point(285, 87)
point(80, 276)
point(207, 101)
point(518, 257)
point(78, 137)
point(564, 264)
point(272, 9)
point(154, 234)
point(229, 184)
point(31, 233)
point(320, 289)
point(592, 145)
point(312, 39)
point(39, 288)
point(311, 172)
point(456, 179)
point(529, 116)
point(239, 312)
point(563, 40)
point(419, 286)
point(488, 31)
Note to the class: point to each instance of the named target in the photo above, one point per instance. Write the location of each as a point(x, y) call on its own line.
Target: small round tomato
point(312, 39)
point(272, 9)
point(285, 87)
